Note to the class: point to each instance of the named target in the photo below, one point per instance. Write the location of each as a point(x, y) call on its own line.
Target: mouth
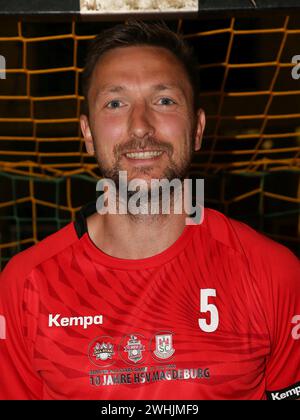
point(148, 154)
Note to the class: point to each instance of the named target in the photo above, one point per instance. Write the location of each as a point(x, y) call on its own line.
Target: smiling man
point(125, 306)
point(141, 120)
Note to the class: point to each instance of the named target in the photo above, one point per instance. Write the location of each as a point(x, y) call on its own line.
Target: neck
point(124, 236)
point(138, 236)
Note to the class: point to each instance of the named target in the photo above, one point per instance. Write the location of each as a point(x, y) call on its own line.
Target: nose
point(140, 124)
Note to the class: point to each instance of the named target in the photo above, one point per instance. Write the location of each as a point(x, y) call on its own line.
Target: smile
point(144, 155)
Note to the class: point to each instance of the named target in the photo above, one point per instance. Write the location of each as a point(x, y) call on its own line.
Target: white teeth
point(143, 155)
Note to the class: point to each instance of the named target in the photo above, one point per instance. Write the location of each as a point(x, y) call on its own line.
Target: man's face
point(141, 115)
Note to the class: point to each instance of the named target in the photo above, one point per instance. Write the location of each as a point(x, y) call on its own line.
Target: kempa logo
point(289, 394)
point(83, 321)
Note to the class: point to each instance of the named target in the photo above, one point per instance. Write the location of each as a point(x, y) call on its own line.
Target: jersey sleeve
point(280, 283)
point(275, 273)
point(18, 378)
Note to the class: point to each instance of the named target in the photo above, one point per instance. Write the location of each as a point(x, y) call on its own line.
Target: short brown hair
point(134, 33)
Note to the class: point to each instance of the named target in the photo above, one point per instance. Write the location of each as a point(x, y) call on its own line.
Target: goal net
point(250, 91)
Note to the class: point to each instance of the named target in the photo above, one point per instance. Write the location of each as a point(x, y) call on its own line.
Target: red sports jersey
point(215, 316)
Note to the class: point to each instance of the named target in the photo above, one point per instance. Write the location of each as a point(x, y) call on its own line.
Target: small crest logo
point(134, 348)
point(101, 351)
point(164, 346)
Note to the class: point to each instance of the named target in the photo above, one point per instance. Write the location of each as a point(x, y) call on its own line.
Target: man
point(148, 306)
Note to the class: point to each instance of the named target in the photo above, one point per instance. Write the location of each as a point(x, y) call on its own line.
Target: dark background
point(250, 153)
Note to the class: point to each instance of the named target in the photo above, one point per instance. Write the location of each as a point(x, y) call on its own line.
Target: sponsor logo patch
point(102, 351)
point(84, 321)
point(164, 346)
point(134, 348)
point(290, 393)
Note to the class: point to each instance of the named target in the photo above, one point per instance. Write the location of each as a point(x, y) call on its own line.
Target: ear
point(87, 134)
point(200, 125)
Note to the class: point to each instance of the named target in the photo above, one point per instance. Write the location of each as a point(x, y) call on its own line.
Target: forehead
point(140, 64)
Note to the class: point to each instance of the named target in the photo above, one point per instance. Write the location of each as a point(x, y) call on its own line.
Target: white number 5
point(208, 307)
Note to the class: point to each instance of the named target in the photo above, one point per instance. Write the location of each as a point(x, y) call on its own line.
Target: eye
point(114, 104)
point(166, 101)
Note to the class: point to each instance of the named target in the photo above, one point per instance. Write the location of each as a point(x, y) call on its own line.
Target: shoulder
point(21, 265)
point(262, 254)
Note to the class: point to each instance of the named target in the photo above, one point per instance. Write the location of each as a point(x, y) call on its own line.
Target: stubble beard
point(173, 171)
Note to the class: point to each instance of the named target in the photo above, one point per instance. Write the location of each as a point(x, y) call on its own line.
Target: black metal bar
point(56, 7)
point(39, 6)
point(241, 5)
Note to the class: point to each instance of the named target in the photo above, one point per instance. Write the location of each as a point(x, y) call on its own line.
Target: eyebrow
point(157, 88)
